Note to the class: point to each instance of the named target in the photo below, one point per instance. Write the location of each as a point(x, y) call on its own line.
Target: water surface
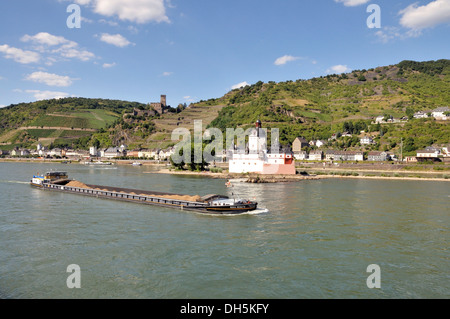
point(315, 240)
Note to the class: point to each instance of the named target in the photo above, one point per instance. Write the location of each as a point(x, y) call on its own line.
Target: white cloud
point(70, 53)
point(47, 95)
point(352, 3)
point(49, 79)
point(111, 23)
point(189, 98)
point(1, 106)
point(82, 2)
point(167, 73)
point(115, 39)
point(338, 69)
point(239, 85)
point(285, 59)
point(45, 38)
point(109, 65)
point(420, 17)
point(48, 43)
point(138, 11)
point(391, 33)
point(20, 55)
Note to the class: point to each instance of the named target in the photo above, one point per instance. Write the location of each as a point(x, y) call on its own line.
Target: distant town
point(300, 148)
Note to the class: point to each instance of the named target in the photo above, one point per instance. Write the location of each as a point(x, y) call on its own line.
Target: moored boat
point(97, 163)
point(209, 204)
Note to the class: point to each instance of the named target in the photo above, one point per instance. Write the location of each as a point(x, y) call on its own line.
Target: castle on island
point(160, 108)
point(257, 159)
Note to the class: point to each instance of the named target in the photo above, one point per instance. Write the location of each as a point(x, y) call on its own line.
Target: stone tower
point(163, 101)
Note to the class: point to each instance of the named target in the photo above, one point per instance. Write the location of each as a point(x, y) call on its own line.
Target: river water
point(310, 239)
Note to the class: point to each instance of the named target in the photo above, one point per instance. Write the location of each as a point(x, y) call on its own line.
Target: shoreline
point(290, 178)
point(328, 173)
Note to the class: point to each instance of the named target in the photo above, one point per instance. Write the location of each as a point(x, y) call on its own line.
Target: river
point(310, 239)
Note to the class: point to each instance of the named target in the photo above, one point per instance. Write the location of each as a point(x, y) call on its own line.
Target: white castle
point(256, 159)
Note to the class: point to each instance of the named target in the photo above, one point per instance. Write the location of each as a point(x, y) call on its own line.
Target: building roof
point(442, 109)
point(301, 139)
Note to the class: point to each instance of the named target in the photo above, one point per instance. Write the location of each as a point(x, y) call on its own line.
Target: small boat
point(136, 164)
point(208, 204)
point(97, 163)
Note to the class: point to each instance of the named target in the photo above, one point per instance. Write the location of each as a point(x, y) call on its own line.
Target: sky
point(192, 50)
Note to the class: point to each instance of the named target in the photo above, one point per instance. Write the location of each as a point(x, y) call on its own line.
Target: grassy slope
point(313, 108)
point(318, 107)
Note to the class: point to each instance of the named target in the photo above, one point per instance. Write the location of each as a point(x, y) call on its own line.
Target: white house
point(320, 143)
point(93, 151)
point(302, 155)
point(421, 115)
point(379, 119)
point(427, 153)
point(366, 140)
point(111, 152)
point(439, 113)
point(446, 150)
point(20, 152)
point(55, 152)
point(315, 155)
point(153, 153)
point(165, 154)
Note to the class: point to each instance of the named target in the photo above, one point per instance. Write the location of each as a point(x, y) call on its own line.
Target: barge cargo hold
point(209, 204)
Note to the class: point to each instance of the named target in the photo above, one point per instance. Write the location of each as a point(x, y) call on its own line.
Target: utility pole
point(401, 150)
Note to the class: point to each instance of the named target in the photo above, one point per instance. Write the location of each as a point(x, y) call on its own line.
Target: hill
point(64, 121)
point(320, 107)
point(315, 109)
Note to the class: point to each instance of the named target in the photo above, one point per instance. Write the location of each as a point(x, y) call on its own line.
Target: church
point(256, 158)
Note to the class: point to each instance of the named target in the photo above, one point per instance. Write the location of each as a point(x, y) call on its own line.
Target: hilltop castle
point(157, 108)
point(160, 107)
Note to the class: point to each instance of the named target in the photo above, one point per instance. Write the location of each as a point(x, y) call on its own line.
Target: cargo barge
point(209, 204)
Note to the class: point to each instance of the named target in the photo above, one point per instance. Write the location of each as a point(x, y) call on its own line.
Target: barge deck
point(209, 204)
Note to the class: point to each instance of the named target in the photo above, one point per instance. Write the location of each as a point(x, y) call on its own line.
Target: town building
point(256, 159)
point(421, 115)
point(319, 143)
point(366, 140)
point(428, 155)
point(20, 152)
point(93, 151)
point(298, 144)
point(302, 155)
point(150, 154)
point(377, 156)
point(315, 155)
point(440, 113)
point(332, 155)
point(111, 152)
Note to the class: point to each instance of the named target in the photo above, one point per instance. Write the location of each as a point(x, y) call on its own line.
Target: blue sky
point(191, 50)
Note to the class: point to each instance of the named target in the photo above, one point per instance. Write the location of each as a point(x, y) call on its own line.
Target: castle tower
point(257, 139)
point(163, 101)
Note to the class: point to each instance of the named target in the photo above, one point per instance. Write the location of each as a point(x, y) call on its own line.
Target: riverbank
point(306, 171)
point(260, 179)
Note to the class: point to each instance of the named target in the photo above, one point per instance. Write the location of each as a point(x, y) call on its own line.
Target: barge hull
point(148, 198)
